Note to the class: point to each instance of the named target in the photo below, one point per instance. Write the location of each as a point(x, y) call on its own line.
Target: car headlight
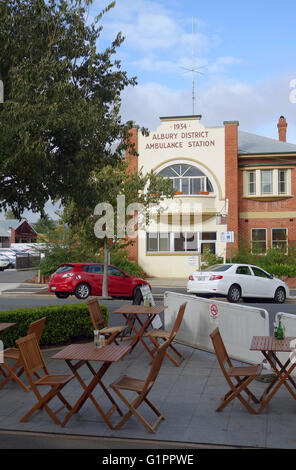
point(67, 275)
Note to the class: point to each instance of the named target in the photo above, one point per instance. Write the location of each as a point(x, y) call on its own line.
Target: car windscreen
point(218, 267)
point(65, 268)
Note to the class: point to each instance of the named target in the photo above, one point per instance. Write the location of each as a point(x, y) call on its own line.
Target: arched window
point(187, 179)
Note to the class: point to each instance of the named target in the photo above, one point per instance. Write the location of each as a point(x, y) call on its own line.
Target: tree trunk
point(105, 277)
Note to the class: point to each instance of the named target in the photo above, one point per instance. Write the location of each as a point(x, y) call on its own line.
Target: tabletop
point(270, 343)
point(140, 309)
point(87, 352)
point(4, 326)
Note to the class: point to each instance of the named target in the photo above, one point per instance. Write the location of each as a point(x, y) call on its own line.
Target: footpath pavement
point(187, 395)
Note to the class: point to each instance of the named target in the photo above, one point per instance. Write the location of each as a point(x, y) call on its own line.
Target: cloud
point(256, 106)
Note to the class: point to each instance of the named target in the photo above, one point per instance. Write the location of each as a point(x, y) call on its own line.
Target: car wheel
point(82, 291)
point(137, 296)
point(234, 294)
point(1, 269)
point(62, 295)
point(280, 295)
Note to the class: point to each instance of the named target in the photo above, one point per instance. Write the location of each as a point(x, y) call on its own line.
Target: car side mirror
point(271, 276)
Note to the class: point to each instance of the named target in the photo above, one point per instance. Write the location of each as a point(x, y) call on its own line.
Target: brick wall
point(231, 177)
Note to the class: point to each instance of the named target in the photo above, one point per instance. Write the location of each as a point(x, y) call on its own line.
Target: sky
point(244, 57)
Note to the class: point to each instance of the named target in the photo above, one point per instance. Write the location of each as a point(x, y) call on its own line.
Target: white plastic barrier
point(289, 323)
point(237, 324)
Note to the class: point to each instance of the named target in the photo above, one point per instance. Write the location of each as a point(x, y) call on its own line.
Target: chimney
point(282, 127)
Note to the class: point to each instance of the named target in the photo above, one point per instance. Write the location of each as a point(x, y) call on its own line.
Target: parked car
point(10, 254)
point(85, 279)
point(4, 262)
point(236, 281)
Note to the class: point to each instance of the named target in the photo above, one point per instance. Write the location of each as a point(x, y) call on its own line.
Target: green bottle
point(280, 331)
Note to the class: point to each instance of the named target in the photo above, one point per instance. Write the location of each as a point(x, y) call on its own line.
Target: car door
point(245, 279)
point(118, 282)
point(263, 284)
point(94, 277)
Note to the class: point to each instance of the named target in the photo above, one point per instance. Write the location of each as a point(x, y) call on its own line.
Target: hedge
point(63, 323)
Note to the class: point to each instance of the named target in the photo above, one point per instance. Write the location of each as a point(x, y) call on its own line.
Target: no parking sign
point(214, 311)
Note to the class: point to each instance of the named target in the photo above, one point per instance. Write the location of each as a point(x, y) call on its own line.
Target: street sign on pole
point(227, 237)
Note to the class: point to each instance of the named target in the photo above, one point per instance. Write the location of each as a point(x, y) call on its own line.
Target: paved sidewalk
point(187, 396)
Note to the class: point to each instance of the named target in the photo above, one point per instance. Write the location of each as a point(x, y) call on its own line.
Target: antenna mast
point(192, 70)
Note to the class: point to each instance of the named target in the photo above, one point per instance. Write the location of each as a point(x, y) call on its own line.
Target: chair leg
point(133, 410)
point(12, 375)
point(235, 392)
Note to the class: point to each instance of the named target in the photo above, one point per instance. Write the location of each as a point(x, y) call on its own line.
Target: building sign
point(180, 137)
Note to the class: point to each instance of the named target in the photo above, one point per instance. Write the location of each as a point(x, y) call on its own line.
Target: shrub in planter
point(63, 323)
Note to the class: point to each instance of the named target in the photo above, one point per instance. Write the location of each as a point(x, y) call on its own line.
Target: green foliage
point(63, 323)
point(275, 261)
point(44, 224)
point(120, 259)
point(60, 117)
point(210, 259)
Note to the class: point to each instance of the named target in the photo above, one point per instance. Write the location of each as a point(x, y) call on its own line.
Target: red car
point(84, 279)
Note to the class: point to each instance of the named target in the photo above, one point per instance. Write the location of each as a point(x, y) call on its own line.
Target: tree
point(44, 224)
point(60, 117)
point(113, 190)
point(9, 215)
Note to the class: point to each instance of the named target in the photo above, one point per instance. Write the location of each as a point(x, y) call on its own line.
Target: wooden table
point(4, 326)
point(133, 313)
point(269, 346)
point(77, 355)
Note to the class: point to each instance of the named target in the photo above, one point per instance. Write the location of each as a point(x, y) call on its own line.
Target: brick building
point(225, 180)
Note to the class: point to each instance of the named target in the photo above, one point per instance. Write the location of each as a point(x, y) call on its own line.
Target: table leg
point(140, 333)
point(88, 390)
point(281, 378)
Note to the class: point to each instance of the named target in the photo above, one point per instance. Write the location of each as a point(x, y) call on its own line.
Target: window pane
point(152, 242)
point(176, 184)
point(259, 240)
point(208, 246)
point(195, 186)
point(243, 270)
point(259, 273)
point(251, 182)
point(191, 241)
point(266, 182)
point(185, 185)
point(209, 236)
point(282, 175)
point(209, 186)
point(164, 242)
point(179, 242)
point(279, 238)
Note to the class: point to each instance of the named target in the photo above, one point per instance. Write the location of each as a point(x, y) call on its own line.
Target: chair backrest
point(31, 355)
point(220, 350)
point(36, 327)
point(156, 363)
point(95, 312)
point(179, 319)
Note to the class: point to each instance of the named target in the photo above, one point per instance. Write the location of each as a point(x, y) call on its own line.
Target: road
point(32, 301)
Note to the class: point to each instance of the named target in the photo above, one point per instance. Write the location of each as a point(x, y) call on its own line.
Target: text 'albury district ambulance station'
point(226, 180)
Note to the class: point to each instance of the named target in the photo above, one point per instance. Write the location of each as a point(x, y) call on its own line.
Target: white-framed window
point(259, 240)
point(282, 182)
point(252, 182)
point(267, 182)
point(187, 179)
point(279, 238)
point(174, 242)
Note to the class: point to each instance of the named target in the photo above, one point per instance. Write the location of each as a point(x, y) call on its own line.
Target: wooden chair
point(36, 327)
point(33, 361)
point(243, 375)
point(158, 335)
point(98, 319)
point(142, 388)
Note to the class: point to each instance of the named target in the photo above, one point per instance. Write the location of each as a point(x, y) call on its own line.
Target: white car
point(4, 262)
point(236, 281)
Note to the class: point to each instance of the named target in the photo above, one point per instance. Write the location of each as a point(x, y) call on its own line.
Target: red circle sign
point(214, 310)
